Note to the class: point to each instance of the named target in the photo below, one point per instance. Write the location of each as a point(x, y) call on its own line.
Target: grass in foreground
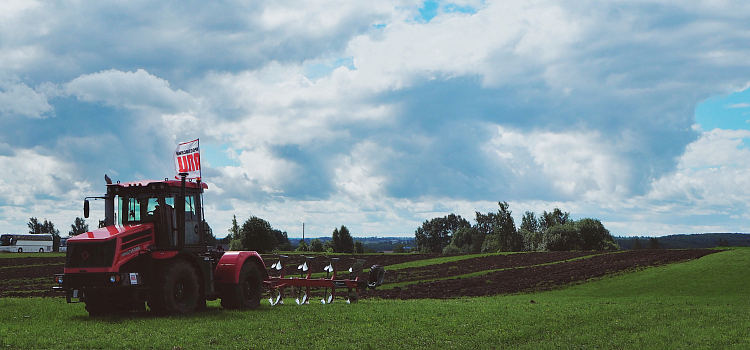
point(698, 304)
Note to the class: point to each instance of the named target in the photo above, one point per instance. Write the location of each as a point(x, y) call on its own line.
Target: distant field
point(695, 304)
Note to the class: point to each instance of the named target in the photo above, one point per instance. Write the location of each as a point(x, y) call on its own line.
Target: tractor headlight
point(114, 278)
point(59, 279)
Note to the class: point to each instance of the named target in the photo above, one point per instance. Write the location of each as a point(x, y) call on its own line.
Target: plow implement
point(300, 288)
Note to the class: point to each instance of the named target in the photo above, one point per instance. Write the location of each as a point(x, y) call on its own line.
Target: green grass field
point(701, 304)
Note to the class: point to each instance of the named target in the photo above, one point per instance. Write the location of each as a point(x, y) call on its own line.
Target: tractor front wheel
point(175, 289)
point(97, 305)
point(246, 293)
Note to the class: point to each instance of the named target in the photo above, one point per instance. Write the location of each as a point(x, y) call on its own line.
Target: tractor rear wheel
point(175, 289)
point(246, 293)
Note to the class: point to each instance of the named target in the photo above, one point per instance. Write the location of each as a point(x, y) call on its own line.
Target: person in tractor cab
point(163, 219)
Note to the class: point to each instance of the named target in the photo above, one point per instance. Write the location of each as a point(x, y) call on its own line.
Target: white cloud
point(38, 185)
point(135, 90)
point(16, 98)
point(583, 105)
point(580, 165)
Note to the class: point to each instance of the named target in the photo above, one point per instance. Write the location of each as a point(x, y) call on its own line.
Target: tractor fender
point(230, 264)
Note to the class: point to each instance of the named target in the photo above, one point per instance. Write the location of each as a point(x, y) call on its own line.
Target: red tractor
point(152, 250)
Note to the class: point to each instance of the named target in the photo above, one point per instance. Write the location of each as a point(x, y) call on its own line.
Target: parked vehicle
point(26, 243)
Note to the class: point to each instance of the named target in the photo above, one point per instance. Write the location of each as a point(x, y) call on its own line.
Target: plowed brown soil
point(513, 273)
point(29, 277)
point(544, 277)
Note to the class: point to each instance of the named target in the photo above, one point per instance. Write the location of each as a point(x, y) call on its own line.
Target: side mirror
point(86, 208)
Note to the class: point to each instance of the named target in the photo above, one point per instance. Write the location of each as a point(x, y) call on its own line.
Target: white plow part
point(327, 298)
point(303, 299)
point(275, 298)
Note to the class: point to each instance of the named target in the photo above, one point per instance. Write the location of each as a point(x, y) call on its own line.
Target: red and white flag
point(187, 159)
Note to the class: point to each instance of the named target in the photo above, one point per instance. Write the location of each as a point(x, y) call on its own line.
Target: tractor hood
point(106, 249)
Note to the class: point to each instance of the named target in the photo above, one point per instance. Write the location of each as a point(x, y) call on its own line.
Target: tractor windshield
point(160, 209)
point(144, 207)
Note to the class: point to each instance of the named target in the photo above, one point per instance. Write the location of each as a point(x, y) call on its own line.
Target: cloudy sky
point(379, 115)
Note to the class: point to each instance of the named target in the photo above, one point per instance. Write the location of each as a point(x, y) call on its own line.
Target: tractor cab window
point(144, 208)
point(160, 209)
point(192, 233)
point(7, 240)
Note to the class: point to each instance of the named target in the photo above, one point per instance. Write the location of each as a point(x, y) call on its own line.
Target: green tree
point(257, 234)
point(79, 226)
point(346, 242)
point(637, 243)
point(35, 227)
point(556, 217)
point(529, 222)
point(435, 234)
point(335, 240)
point(316, 245)
point(302, 247)
point(505, 227)
point(500, 223)
point(451, 249)
point(210, 238)
point(359, 248)
point(463, 239)
point(234, 231)
point(283, 240)
point(491, 244)
point(593, 235)
point(562, 237)
point(46, 227)
point(653, 243)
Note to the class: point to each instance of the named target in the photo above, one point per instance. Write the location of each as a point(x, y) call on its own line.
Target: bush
point(562, 238)
point(302, 247)
point(593, 235)
point(491, 244)
point(451, 249)
point(316, 245)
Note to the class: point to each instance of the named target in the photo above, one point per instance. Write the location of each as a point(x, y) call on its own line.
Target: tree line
point(258, 235)
point(497, 232)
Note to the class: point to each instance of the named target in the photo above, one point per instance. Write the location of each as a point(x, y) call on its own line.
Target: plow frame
point(301, 286)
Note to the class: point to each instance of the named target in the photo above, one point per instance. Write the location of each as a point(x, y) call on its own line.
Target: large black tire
point(377, 273)
point(97, 305)
point(246, 293)
point(175, 290)
point(20, 250)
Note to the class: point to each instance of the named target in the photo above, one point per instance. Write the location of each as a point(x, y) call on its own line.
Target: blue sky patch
point(725, 112)
point(428, 10)
point(431, 8)
point(217, 156)
point(319, 70)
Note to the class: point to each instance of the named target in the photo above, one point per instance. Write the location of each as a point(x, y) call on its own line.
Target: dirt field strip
point(481, 265)
point(534, 278)
point(477, 273)
point(474, 276)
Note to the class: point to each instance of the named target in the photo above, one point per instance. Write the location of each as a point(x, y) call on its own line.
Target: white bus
point(63, 244)
point(26, 243)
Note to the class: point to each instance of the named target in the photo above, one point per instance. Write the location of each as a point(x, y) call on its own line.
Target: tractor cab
point(162, 204)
